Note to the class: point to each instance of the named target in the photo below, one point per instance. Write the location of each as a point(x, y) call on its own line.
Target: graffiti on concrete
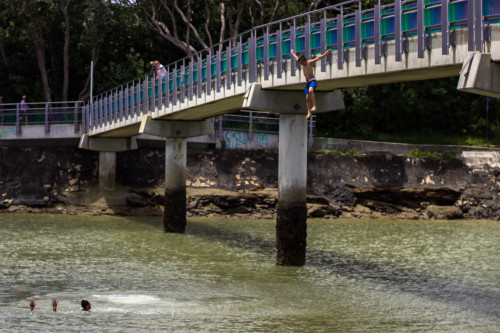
point(262, 139)
point(6, 131)
point(238, 140)
point(235, 139)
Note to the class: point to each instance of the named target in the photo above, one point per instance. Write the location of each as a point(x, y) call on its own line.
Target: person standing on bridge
point(159, 70)
point(24, 110)
point(311, 84)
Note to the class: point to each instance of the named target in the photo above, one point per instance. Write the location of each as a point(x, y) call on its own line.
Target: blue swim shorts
point(310, 83)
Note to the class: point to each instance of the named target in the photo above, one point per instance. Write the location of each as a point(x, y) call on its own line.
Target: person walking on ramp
point(311, 84)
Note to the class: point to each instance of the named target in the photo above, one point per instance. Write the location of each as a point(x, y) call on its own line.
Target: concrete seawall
point(52, 176)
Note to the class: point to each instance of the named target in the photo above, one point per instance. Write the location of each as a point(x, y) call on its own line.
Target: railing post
point(250, 127)
point(209, 72)
point(183, 82)
point(420, 29)
point(279, 53)
point(84, 115)
point(76, 116)
point(398, 34)
point(357, 33)
point(478, 25)
point(266, 53)
point(122, 103)
point(470, 24)
point(199, 74)
point(132, 100)
point(47, 129)
point(167, 88)
point(340, 39)
point(218, 69)
point(228, 66)
point(307, 37)
point(191, 79)
point(293, 62)
point(323, 41)
point(145, 95)
point(116, 102)
point(159, 103)
point(174, 85)
point(18, 126)
point(377, 35)
point(153, 93)
point(100, 111)
point(252, 58)
point(239, 60)
point(445, 28)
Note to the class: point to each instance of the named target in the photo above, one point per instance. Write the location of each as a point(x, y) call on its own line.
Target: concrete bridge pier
point(175, 133)
point(107, 170)
point(291, 220)
point(107, 148)
point(174, 215)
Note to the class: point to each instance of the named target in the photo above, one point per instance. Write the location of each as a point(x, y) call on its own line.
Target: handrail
point(41, 113)
point(341, 26)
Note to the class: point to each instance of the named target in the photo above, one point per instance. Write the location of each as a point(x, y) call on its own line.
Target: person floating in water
point(54, 305)
point(85, 305)
point(32, 305)
point(311, 84)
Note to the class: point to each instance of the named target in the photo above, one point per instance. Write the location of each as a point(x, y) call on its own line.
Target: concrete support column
point(291, 220)
point(107, 148)
point(174, 216)
point(107, 170)
point(175, 133)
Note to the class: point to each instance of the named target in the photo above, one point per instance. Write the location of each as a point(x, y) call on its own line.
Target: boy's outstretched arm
point(294, 55)
point(321, 55)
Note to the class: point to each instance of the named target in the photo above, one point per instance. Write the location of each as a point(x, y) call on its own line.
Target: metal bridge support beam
point(480, 75)
point(107, 148)
point(175, 133)
point(291, 220)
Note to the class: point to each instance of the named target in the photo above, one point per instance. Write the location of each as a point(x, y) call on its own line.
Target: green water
point(360, 276)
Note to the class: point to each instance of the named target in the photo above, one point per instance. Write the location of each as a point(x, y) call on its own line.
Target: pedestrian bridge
point(402, 41)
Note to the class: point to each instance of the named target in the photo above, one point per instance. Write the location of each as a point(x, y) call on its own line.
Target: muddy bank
point(241, 183)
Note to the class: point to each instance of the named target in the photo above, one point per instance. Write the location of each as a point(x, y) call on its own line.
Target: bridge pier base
point(107, 148)
point(291, 220)
point(107, 170)
point(175, 133)
point(174, 215)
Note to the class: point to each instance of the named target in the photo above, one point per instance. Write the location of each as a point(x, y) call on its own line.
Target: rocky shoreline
point(242, 184)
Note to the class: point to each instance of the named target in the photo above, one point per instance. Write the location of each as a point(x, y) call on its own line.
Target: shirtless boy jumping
point(311, 84)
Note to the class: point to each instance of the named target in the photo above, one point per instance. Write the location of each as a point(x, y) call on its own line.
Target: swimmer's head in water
point(85, 305)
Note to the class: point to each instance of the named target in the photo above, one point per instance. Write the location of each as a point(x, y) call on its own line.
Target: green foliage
point(432, 154)
point(349, 152)
point(431, 111)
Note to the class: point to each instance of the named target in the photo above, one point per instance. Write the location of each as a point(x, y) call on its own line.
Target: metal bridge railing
point(260, 52)
point(255, 122)
point(46, 113)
